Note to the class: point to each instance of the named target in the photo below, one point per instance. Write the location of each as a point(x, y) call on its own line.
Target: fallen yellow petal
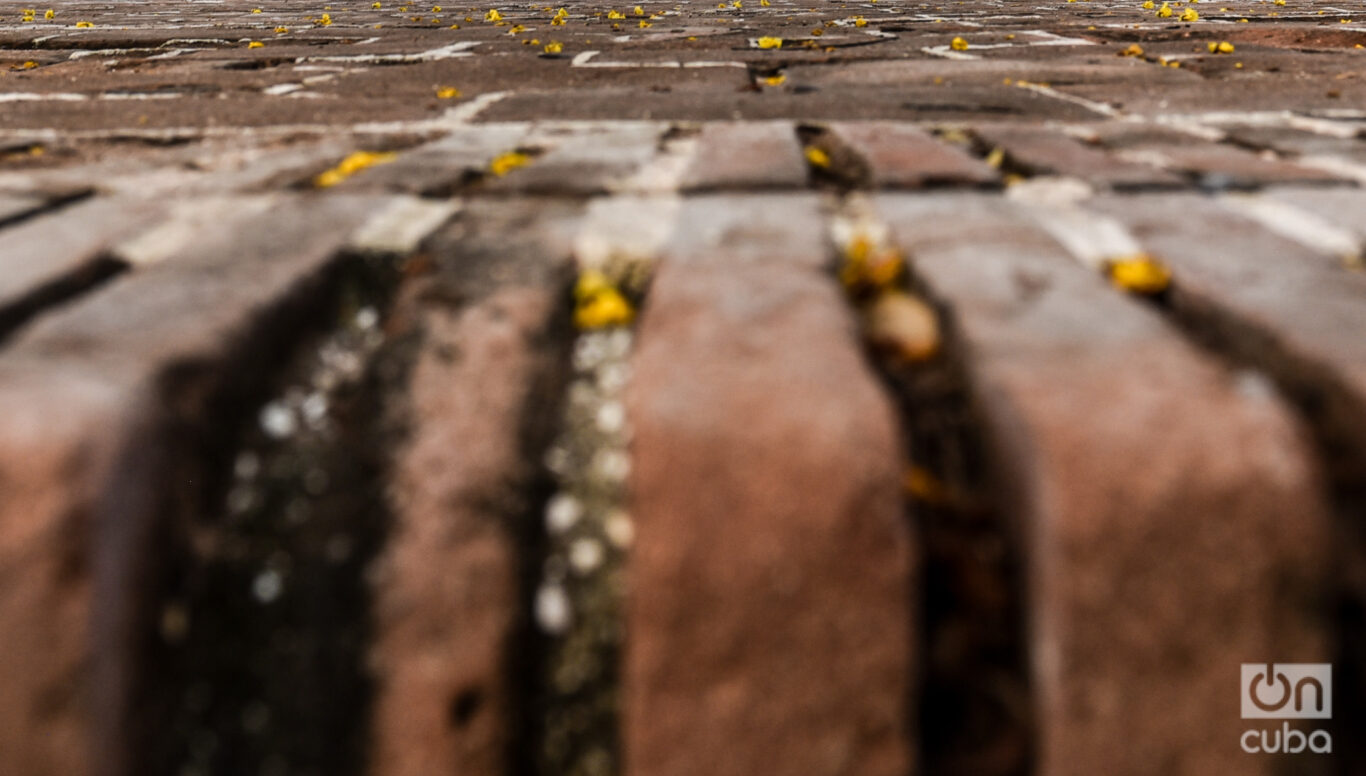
point(958, 44)
point(447, 93)
point(352, 164)
point(1140, 274)
point(554, 47)
point(816, 157)
point(507, 162)
point(769, 42)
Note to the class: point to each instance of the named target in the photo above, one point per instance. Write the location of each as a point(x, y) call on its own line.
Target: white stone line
point(1295, 224)
point(459, 49)
point(585, 59)
point(466, 112)
point(1337, 165)
point(1091, 238)
point(401, 225)
point(948, 53)
point(42, 97)
point(1091, 105)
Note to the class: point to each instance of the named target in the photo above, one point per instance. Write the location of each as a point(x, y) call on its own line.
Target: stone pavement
point(751, 387)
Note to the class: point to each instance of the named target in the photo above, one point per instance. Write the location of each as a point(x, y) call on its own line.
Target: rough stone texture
point(746, 155)
point(79, 506)
point(768, 624)
point(1167, 539)
point(449, 598)
point(901, 156)
point(1048, 152)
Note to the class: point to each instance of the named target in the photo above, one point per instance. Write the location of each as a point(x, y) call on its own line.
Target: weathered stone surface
point(903, 156)
point(49, 257)
point(746, 155)
point(449, 598)
point(1049, 152)
point(1168, 538)
point(755, 641)
point(81, 501)
point(751, 229)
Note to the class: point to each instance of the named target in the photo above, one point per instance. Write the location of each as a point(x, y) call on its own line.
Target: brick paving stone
point(796, 661)
point(1287, 308)
point(745, 155)
point(63, 250)
point(449, 595)
point(87, 412)
point(449, 600)
point(902, 156)
point(1045, 151)
point(1156, 539)
point(578, 161)
point(751, 229)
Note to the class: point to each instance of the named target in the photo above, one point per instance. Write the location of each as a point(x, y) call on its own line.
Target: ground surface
point(745, 388)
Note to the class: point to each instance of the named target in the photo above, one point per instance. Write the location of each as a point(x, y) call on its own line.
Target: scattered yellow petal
point(770, 42)
point(554, 47)
point(644, 24)
point(638, 11)
point(507, 162)
point(1165, 11)
point(1225, 47)
point(615, 15)
point(493, 16)
point(869, 266)
point(256, 44)
point(516, 29)
point(1190, 15)
point(958, 44)
point(85, 25)
point(921, 485)
point(325, 19)
point(50, 14)
point(1140, 274)
point(816, 157)
point(352, 164)
point(1148, 5)
point(256, 10)
point(447, 93)
point(29, 65)
point(996, 157)
point(599, 303)
point(281, 30)
point(776, 80)
point(1134, 50)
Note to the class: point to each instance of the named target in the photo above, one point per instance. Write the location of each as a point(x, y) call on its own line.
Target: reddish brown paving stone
point(1168, 538)
point(448, 599)
point(904, 156)
point(746, 155)
point(87, 412)
point(750, 636)
point(449, 602)
point(580, 161)
point(1048, 151)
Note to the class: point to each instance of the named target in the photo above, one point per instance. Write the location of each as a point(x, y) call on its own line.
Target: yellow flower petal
point(1140, 274)
point(507, 162)
point(770, 42)
point(958, 44)
point(352, 164)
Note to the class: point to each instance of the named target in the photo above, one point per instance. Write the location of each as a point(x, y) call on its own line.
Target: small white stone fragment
point(278, 421)
point(553, 610)
point(611, 417)
point(585, 555)
point(267, 586)
point(612, 465)
point(562, 513)
point(619, 529)
point(367, 318)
